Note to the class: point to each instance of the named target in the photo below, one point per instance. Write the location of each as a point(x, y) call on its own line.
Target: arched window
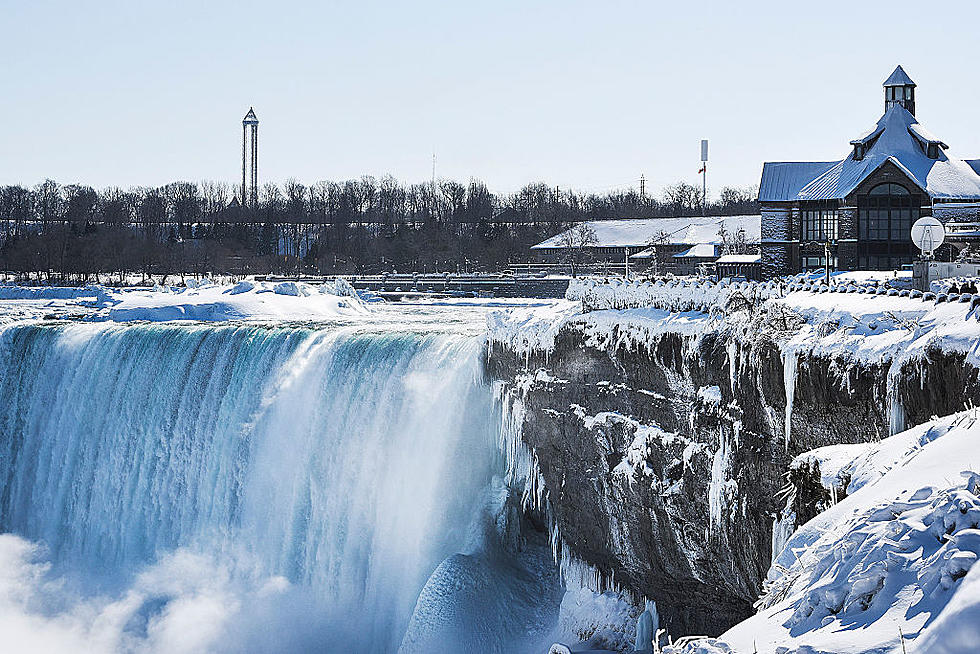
point(885, 217)
point(889, 189)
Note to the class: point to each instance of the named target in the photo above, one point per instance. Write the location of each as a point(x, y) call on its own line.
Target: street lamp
point(826, 257)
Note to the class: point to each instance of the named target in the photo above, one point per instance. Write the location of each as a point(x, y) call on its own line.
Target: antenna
point(928, 234)
point(704, 175)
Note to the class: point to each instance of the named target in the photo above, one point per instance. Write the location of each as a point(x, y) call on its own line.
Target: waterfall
point(334, 468)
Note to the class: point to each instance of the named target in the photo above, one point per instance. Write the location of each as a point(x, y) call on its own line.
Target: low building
point(864, 204)
point(730, 266)
point(681, 246)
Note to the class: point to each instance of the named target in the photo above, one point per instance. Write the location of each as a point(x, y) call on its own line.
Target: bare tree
point(575, 244)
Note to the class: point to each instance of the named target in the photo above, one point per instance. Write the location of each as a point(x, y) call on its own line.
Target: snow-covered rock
point(890, 556)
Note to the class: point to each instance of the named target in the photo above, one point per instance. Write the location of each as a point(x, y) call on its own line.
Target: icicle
point(783, 526)
point(716, 488)
point(732, 348)
point(789, 387)
point(896, 411)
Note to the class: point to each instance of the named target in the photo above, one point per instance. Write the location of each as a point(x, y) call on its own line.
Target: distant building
point(681, 246)
point(748, 266)
point(865, 204)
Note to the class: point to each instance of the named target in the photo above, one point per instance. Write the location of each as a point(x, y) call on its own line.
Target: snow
point(245, 300)
point(891, 555)
point(710, 395)
point(739, 258)
point(690, 230)
point(596, 621)
point(899, 549)
point(197, 300)
point(530, 329)
point(699, 251)
point(940, 178)
point(957, 629)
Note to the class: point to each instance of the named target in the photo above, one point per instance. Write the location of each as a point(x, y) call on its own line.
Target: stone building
point(864, 205)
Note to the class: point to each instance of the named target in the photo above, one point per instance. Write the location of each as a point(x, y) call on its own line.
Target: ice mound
point(204, 301)
point(487, 602)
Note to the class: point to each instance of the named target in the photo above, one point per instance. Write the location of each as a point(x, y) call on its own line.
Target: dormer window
point(932, 151)
point(859, 151)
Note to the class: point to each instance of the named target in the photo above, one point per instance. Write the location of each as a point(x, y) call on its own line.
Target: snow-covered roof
point(688, 230)
point(740, 258)
point(699, 251)
point(899, 78)
point(925, 136)
point(649, 253)
point(897, 138)
point(782, 180)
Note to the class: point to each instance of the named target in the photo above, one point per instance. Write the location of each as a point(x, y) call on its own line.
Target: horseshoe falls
point(246, 487)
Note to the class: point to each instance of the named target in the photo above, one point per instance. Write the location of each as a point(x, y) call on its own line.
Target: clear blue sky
point(578, 94)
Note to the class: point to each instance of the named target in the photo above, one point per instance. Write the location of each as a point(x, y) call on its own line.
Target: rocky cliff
point(664, 444)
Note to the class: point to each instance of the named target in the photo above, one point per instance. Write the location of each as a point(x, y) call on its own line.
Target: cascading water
point(243, 487)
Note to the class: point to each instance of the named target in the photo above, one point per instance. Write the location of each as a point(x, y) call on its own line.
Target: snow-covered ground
point(197, 301)
point(888, 562)
point(248, 300)
point(867, 327)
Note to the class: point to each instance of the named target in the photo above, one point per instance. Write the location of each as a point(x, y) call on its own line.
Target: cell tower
point(250, 159)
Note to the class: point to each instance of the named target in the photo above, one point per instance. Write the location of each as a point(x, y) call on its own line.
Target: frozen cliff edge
point(651, 407)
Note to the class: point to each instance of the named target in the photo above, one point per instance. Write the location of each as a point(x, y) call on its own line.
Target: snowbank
point(676, 295)
point(863, 323)
point(198, 300)
point(530, 329)
point(891, 555)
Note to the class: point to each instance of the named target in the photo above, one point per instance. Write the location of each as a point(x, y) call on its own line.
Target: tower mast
point(250, 159)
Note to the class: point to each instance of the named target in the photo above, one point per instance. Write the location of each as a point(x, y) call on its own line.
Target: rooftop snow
point(700, 251)
point(898, 141)
point(690, 230)
point(740, 258)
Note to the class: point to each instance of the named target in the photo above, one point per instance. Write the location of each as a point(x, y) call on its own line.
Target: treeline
point(368, 225)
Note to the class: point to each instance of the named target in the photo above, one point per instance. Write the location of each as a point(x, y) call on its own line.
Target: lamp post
point(826, 257)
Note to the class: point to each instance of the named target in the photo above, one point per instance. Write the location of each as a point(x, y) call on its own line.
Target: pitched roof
point(699, 251)
point(688, 230)
point(898, 142)
point(250, 117)
point(782, 180)
point(899, 78)
point(897, 138)
point(740, 258)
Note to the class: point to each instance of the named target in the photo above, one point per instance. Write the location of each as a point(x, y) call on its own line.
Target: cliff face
point(665, 461)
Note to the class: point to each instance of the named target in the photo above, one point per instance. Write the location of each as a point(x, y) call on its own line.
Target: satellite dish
point(928, 234)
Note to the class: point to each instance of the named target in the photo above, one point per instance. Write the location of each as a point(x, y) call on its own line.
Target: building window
point(813, 263)
point(885, 217)
point(887, 213)
point(933, 151)
point(819, 221)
